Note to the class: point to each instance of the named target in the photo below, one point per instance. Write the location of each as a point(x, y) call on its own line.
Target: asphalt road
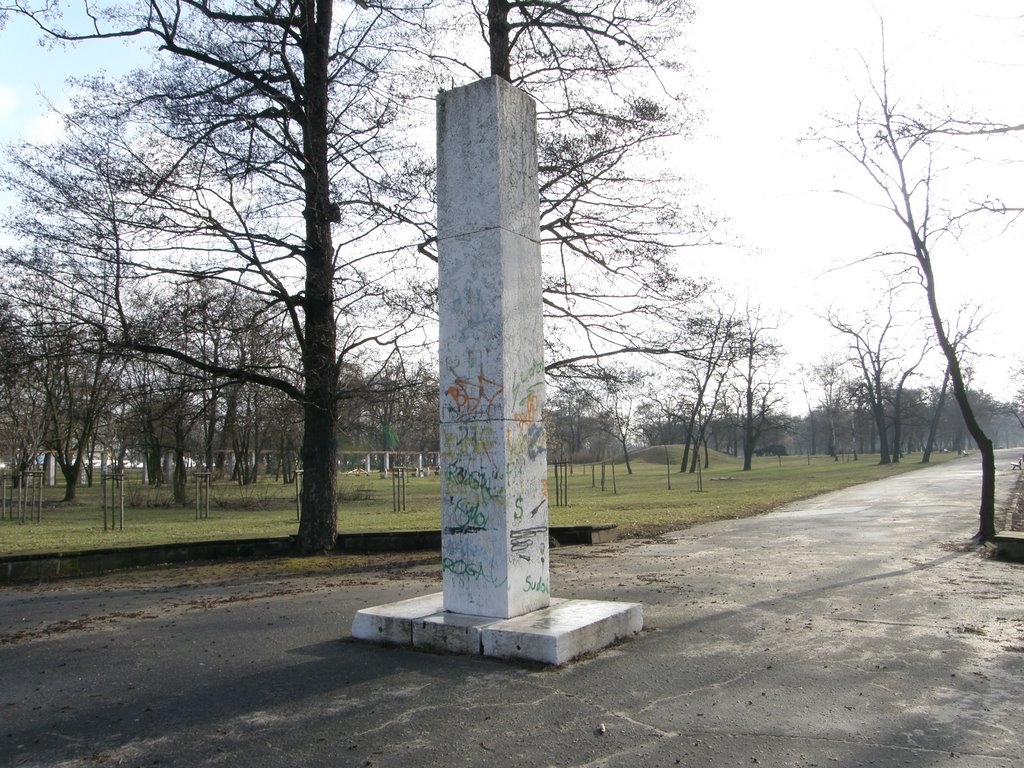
point(857, 628)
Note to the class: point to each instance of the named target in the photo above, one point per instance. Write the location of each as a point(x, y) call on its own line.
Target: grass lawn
point(640, 503)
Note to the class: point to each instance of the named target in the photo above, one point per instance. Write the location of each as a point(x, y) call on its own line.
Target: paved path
point(851, 629)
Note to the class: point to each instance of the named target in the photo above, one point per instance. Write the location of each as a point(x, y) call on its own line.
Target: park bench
point(1018, 462)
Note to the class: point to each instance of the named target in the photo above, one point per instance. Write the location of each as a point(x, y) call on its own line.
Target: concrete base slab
point(448, 632)
point(565, 630)
point(391, 624)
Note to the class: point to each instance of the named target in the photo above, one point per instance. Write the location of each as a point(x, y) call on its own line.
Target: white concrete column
point(50, 466)
point(494, 511)
point(367, 463)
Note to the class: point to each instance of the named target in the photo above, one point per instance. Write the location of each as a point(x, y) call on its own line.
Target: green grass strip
point(641, 503)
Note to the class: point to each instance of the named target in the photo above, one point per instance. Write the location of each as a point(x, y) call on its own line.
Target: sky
point(33, 73)
point(773, 75)
point(767, 76)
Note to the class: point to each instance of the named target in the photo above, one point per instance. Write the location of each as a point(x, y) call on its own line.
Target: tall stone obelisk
point(494, 510)
point(494, 507)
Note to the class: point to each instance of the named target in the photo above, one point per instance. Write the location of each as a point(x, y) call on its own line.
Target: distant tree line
point(586, 423)
point(67, 393)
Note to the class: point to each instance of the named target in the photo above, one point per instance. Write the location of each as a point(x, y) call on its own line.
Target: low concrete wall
point(1010, 544)
point(408, 541)
point(53, 565)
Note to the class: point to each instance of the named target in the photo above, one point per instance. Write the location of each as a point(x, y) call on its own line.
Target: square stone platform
point(563, 631)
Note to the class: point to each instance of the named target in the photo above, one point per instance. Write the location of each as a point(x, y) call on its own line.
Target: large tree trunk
point(987, 508)
point(318, 523)
point(749, 438)
point(498, 34)
point(71, 471)
point(897, 428)
point(689, 438)
point(878, 414)
point(154, 467)
point(180, 483)
point(210, 428)
point(748, 455)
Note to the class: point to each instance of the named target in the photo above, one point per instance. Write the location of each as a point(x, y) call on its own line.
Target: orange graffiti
point(473, 397)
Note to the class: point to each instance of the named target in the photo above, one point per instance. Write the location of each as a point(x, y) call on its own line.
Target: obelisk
point(494, 510)
point(495, 597)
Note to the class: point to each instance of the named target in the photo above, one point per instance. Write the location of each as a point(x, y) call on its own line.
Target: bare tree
point(757, 385)
point(938, 402)
point(77, 374)
point(23, 414)
point(897, 153)
point(254, 141)
point(621, 396)
point(571, 417)
point(267, 151)
point(830, 374)
point(878, 344)
point(897, 400)
point(610, 217)
point(659, 419)
point(704, 372)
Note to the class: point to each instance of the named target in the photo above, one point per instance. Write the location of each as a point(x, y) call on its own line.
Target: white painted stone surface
point(562, 632)
point(494, 515)
point(557, 634)
point(391, 624)
point(449, 633)
point(487, 160)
